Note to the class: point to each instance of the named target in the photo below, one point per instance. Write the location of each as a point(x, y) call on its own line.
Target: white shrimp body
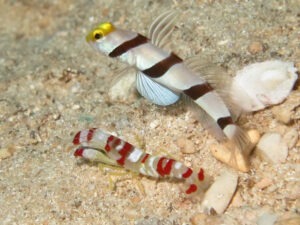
point(109, 149)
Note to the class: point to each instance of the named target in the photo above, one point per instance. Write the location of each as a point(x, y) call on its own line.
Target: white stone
point(220, 193)
point(259, 85)
point(272, 147)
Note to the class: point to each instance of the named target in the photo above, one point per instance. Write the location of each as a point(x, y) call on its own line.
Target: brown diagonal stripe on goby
point(198, 90)
point(224, 121)
point(127, 45)
point(160, 68)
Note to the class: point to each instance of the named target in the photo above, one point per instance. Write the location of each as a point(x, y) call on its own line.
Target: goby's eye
point(98, 35)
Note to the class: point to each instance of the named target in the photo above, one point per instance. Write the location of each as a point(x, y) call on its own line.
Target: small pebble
point(293, 188)
point(282, 114)
point(291, 137)
point(198, 219)
point(286, 112)
point(254, 136)
point(122, 90)
point(154, 124)
point(131, 214)
point(147, 221)
point(255, 47)
point(76, 107)
point(225, 155)
point(203, 219)
point(273, 148)
point(265, 182)
point(5, 153)
point(237, 200)
point(217, 197)
point(290, 221)
point(267, 219)
point(186, 146)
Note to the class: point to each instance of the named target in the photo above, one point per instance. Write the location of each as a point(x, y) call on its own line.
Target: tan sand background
point(52, 84)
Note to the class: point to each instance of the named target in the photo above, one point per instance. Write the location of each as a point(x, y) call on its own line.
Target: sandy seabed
point(53, 84)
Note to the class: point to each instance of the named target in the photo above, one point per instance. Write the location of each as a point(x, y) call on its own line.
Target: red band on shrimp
point(188, 173)
point(90, 134)
point(201, 174)
point(108, 143)
point(79, 152)
point(76, 140)
point(164, 170)
point(124, 152)
point(192, 188)
point(145, 158)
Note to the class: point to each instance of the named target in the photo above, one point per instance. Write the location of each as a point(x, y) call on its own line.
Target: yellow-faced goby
point(163, 77)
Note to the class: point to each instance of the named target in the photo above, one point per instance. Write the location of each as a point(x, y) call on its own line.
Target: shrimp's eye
point(98, 35)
